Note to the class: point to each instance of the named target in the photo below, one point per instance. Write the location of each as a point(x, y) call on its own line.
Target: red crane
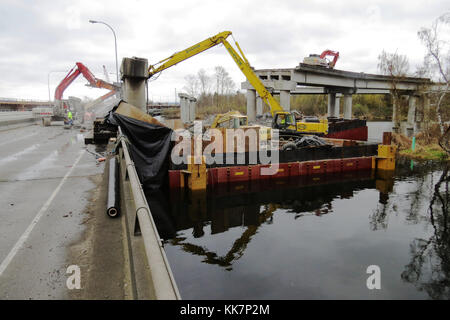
point(74, 73)
point(319, 60)
point(335, 54)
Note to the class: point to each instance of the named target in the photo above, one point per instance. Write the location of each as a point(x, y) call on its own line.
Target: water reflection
point(235, 227)
point(249, 206)
point(429, 269)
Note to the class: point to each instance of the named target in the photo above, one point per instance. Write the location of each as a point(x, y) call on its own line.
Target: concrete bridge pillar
point(285, 100)
point(184, 107)
point(347, 106)
point(395, 114)
point(192, 104)
point(259, 105)
point(426, 107)
point(332, 105)
point(134, 75)
point(412, 103)
point(251, 104)
point(338, 105)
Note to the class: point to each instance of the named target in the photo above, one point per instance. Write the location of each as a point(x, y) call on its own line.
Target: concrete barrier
point(13, 117)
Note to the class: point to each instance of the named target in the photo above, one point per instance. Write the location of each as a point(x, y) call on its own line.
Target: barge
point(339, 156)
point(354, 129)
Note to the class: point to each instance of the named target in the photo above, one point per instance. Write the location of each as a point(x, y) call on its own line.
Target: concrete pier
point(187, 107)
point(134, 75)
point(259, 105)
point(285, 100)
point(192, 105)
point(337, 105)
point(411, 120)
point(347, 106)
point(331, 104)
point(251, 104)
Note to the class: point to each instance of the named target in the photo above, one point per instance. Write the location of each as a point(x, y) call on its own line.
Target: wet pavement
point(47, 183)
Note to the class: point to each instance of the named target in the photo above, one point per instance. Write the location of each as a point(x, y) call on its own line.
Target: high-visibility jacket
point(69, 115)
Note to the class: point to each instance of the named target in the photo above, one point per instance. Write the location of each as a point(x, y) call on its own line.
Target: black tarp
point(149, 145)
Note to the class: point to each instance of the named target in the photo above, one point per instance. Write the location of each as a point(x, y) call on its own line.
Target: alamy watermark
point(374, 280)
point(228, 146)
point(74, 280)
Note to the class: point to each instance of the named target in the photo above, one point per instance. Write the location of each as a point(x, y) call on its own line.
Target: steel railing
point(161, 273)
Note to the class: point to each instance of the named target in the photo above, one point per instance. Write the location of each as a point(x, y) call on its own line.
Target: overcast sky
point(37, 37)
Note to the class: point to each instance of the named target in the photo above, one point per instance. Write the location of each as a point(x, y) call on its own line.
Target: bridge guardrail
point(161, 274)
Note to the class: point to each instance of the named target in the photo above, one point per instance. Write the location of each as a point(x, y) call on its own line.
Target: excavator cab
point(284, 120)
point(239, 121)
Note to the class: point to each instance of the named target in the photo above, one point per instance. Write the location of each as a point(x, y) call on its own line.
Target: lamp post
point(115, 43)
point(48, 83)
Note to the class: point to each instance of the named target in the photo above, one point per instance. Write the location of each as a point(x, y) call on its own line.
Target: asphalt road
point(52, 215)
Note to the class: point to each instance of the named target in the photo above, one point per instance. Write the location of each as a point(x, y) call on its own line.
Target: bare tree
point(204, 82)
point(393, 64)
point(438, 55)
point(228, 85)
point(224, 83)
point(220, 74)
point(192, 85)
point(396, 66)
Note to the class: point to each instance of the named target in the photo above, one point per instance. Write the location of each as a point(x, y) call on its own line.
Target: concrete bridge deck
point(307, 79)
point(22, 104)
point(325, 77)
point(53, 216)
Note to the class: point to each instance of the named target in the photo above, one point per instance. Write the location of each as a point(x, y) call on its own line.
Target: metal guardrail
point(15, 111)
point(161, 273)
point(16, 115)
point(23, 100)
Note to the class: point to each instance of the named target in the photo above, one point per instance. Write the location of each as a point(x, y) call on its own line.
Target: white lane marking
point(18, 154)
point(19, 138)
point(44, 208)
point(34, 171)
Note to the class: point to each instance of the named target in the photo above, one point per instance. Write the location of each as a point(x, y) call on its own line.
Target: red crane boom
point(335, 54)
point(74, 73)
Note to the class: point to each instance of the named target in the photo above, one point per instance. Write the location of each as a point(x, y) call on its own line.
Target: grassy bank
point(430, 152)
point(427, 145)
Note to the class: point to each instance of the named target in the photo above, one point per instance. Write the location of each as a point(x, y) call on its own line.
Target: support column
point(184, 108)
point(134, 75)
point(412, 102)
point(426, 107)
point(337, 105)
point(192, 102)
point(285, 100)
point(331, 104)
point(395, 115)
point(251, 104)
point(347, 106)
point(259, 105)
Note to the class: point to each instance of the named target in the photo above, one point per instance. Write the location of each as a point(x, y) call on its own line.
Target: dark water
point(312, 238)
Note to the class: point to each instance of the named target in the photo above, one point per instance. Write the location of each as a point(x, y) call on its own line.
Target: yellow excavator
point(282, 119)
point(230, 120)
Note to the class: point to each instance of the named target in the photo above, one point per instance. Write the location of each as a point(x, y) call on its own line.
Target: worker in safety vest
point(69, 116)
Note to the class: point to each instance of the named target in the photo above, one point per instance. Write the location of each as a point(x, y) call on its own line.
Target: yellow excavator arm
point(240, 60)
point(282, 118)
point(186, 53)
